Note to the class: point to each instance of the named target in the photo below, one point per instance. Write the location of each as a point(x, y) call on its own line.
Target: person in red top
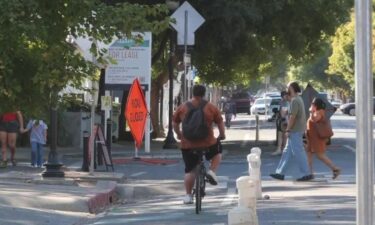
point(212, 115)
point(10, 124)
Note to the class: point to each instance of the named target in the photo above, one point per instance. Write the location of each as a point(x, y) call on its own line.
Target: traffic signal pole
point(364, 112)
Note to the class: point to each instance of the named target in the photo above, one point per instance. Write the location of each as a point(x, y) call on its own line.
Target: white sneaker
point(212, 178)
point(188, 199)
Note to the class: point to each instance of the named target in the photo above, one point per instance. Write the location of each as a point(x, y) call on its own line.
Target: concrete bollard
point(246, 192)
point(254, 172)
point(257, 151)
point(245, 212)
point(242, 216)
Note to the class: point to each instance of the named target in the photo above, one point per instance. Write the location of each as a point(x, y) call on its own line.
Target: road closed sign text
point(136, 112)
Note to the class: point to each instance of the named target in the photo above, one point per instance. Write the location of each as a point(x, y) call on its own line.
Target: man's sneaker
point(306, 178)
point(211, 176)
point(188, 199)
point(277, 176)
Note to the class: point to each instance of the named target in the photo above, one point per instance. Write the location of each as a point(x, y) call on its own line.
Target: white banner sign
point(133, 60)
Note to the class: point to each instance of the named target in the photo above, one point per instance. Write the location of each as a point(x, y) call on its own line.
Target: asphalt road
point(156, 190)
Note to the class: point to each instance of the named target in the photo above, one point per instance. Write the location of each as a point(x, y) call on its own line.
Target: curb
point(103, 198)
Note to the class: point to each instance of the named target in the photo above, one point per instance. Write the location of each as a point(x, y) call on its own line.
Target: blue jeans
point(37, 154)
point(294, 149)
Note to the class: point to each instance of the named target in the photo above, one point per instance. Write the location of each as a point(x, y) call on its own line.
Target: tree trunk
point(157, 85)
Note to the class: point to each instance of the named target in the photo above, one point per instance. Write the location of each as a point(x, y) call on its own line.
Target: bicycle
point(201, 178)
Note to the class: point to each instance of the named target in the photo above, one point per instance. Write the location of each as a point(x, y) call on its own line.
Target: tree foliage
point(240, 36)
point(341, 62)
point(37, 60)
point(314, 72)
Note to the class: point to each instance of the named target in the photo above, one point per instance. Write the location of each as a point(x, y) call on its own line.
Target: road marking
point(137, 174)
point(350, 148)
point(229, 198)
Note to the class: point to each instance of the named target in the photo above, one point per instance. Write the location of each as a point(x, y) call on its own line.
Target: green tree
point(241, 41)
point(37, 61)
point(242, 37)
point(341, 61)
point(314, 72)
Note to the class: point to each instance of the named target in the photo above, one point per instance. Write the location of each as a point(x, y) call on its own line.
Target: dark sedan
point(243, 102)
point(349, 108)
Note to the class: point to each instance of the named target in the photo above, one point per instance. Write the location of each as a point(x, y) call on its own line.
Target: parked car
point(275, 103)
point(336, 103)
point(243, 102)
point(349, 108)
point(272, 95)
point(259, 106)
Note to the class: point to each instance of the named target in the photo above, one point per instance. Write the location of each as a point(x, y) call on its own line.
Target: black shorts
point(191, 159)
point(281, 124)
point(9, 127)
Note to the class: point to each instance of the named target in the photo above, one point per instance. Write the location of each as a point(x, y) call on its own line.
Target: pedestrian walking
point(38, 138)
point(316, 144)
point(10, 124)
point(197, 117)
point(282, 123)
point(294, 148)
point(230, 111)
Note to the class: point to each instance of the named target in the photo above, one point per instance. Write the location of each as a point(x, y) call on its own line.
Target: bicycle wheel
point(198, 193)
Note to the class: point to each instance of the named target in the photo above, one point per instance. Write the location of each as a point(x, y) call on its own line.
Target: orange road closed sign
point(136, 112)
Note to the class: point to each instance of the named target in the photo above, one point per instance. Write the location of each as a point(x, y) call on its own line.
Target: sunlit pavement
point(156, 191)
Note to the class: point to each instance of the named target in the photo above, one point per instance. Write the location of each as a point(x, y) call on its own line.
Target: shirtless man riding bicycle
point(211, 115)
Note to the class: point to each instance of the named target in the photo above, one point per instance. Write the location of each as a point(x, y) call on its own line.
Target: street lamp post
point(170, 142)
point(53, 165)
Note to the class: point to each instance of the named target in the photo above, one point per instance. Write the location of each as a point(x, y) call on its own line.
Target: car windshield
point(262, 101)
point(275, 101)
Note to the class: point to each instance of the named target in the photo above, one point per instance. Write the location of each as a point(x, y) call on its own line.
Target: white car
point(274, 104)
point(259, 106)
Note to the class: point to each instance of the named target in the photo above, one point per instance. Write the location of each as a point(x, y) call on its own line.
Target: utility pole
point(364, 112)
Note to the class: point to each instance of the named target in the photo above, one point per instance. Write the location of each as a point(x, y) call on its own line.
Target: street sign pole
point(188, 20)
point(92, 139)
point(148, 122)
point(364, 112)
point(187, 96)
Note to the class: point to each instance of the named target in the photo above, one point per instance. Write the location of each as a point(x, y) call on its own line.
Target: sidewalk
point(321, 201)
point(316, 202)
point(28, 198)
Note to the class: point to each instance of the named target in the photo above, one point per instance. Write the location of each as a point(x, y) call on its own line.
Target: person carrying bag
point(319, 130)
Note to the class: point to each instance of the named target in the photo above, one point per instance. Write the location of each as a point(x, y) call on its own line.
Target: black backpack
point(194, 126)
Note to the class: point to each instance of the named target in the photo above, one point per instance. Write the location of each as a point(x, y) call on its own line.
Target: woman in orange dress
point(315, 144)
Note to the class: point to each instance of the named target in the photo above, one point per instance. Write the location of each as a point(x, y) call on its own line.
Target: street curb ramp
point(104, 195)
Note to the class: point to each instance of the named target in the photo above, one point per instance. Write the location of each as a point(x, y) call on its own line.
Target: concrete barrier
point(254, 160)
point(104, 196)
point(245, 212)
